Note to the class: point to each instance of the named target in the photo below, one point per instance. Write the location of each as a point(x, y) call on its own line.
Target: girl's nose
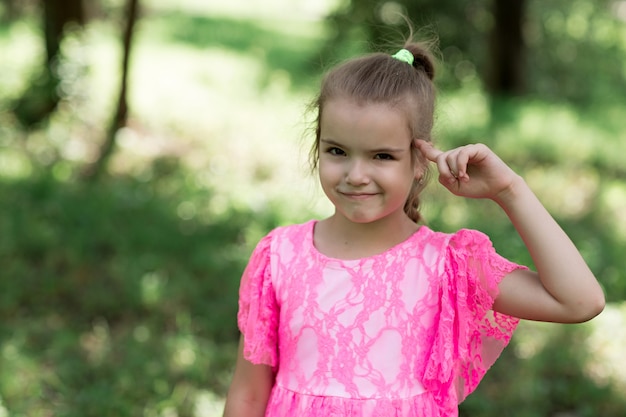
point(357, 174)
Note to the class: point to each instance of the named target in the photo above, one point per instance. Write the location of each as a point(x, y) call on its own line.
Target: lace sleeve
point(483, 334)
point(469, 336)
point(258, 310)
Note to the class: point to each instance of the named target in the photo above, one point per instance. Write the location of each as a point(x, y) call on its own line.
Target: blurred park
point(146, 146)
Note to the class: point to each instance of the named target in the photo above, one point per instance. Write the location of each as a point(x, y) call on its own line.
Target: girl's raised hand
point(473, 171)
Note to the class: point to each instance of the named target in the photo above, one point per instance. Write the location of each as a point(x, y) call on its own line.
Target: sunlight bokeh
point(235, 122)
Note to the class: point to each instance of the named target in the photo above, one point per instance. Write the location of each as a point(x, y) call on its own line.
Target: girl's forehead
point(402, 107)
point(345, 120)
point(342, 105)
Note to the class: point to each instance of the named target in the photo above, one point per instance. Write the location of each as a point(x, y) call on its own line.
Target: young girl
point(369, 313)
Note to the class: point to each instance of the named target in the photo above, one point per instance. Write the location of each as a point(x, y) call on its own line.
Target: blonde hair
point(381, 78)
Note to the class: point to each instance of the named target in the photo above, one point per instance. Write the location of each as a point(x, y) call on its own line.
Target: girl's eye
point(384, 156)
point(335, 151)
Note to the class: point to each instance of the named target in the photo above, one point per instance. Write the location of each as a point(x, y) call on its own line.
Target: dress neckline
point(395, 248)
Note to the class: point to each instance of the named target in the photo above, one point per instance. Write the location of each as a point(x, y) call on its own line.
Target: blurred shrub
point(547, 377)
point(119, 298)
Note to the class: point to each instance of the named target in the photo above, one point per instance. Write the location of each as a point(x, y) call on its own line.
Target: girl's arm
point(249, 389)
point(563, 289)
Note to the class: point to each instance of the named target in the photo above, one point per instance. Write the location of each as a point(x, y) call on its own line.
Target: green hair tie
point(404, 56)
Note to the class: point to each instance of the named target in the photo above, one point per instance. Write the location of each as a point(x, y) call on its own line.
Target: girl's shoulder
point(462, 238)
point(464, 246)
point(299, 230)
point(290, 238)
point(293, 234)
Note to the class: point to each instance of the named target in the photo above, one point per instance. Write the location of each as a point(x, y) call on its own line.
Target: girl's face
point(365, 163)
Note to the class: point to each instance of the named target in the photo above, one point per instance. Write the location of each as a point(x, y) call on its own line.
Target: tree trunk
point(121, 114)
point(57, 14)
point(42, 97)
point(507, 64)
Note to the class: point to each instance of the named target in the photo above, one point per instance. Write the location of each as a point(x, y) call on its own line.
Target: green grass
point(116, 299)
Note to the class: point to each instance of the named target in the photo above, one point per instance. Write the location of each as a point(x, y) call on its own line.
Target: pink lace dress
point(408, 332)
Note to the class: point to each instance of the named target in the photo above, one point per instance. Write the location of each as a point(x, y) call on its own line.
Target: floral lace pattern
point(408, 332)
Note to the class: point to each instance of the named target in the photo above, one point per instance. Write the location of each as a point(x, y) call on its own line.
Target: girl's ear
point(418, 172)
point(420, 163)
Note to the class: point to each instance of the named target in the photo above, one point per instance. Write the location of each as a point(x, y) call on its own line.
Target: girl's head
point(383, 79)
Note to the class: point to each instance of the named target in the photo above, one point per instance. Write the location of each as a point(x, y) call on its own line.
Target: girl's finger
point(448, 170)
point(462, 160)
point(437, 156)
point(427, 149)
point(446, 167)
point(452, 162)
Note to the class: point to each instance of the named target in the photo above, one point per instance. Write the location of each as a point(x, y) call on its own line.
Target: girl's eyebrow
point(388, 150)
point(331, 142)
point(378, 150)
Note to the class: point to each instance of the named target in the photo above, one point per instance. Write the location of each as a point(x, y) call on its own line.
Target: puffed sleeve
point(258, 310)
point(470, 336)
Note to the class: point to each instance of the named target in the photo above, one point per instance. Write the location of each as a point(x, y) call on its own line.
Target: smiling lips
point(357, 196)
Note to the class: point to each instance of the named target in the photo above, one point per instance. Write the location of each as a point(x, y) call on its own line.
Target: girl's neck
point(340, 238)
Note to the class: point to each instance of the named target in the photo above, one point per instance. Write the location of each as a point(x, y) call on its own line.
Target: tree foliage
point(476, 42)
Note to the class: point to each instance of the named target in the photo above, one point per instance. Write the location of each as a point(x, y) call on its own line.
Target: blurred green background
point(145, 147)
